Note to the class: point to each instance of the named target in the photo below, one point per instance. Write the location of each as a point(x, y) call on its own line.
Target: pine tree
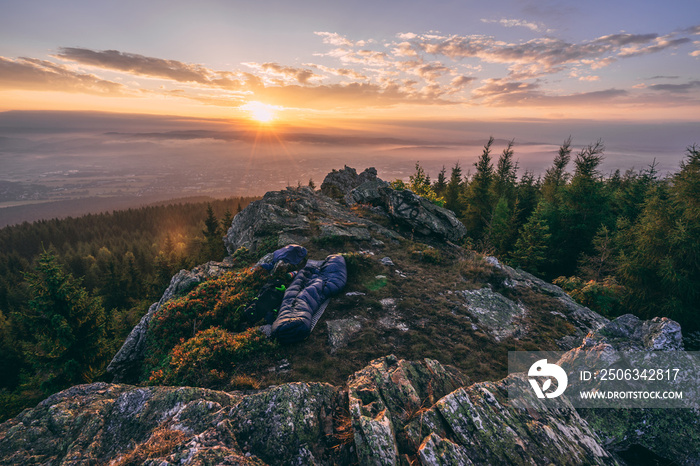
point(533, 244)
point(226, 221)
point(211, 224)
point(505, 175)
point(453, 190)
point(555, 177)
point(500, 232)
point(419, 183)
point(478, 196)
point(584, 208)
point(440, 184)
point(67, 327)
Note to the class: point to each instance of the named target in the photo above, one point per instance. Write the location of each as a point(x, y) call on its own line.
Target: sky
point(318, 61)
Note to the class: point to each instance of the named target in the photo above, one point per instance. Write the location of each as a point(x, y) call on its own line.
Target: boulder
point(477, 425)
point(629, 333)
point(340, 182)
point(293, 216)
point(287, 422)
point(99, 423)
point(583, 319)
point(385, 395)
point(667, 433)
point(414, 212)
point(496, 314)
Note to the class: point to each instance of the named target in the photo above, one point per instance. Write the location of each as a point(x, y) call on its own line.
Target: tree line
point(72, 289)
point(618, 243)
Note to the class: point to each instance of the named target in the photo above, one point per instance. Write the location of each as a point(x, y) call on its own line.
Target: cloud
point(33, 74)
point(349, 95)
point(428, 68)
point(545, 55)
point(300, 75)
point(659, 44)
point(501, 92)
point(363, 57)
point(427, 71)
point(344, 72)
point(333, 38)
point(676, 88)
point(404, 49)
point(138, 64)
point(461, 81)
point(509, 23)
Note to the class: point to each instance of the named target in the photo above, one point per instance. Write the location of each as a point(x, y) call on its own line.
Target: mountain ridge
point(425, 290)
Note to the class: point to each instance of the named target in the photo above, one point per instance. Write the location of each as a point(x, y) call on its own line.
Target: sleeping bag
point(291, 254)
point(307, 296)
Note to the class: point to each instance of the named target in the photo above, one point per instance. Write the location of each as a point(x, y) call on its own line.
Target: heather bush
point(209, 358)
point(216, 302)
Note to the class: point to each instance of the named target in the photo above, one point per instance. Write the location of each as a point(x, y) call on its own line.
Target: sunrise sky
point(312, 61)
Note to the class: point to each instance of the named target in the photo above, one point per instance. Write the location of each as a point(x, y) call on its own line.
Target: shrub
point(427, 254)
point(216, 302)
point(209, 358)
point(602, 296)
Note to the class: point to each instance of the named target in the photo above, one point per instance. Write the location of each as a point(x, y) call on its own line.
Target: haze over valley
point(56, 164)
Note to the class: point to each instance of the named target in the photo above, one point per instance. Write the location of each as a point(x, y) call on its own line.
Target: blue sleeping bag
point(292, 254)
point(306, 297)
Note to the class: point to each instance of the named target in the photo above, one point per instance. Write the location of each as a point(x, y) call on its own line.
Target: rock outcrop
point(296, 214)
point(293, 216)
point(666, 433)
point(340, 182)
point(399, 411)
point(419, 214)
point(583, 319)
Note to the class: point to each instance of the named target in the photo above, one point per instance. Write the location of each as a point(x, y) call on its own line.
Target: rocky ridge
point(391, 411)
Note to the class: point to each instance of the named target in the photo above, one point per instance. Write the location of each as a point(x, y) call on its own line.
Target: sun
point(264, 113)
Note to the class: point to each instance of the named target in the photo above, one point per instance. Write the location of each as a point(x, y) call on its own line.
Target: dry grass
point(160, 444)
point(244, 382)
point(343, 432)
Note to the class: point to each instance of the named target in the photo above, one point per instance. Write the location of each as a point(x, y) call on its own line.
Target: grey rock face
point(341, 331)
point(498, 315)
point(421, 215)
point(417, 405)
point(582, 318)
point(398, 410)
point(294, 215)
point(669, 433)
point(100, 422)
point(629, 333)
point(340, 182)
point(126, 363)
point(285, 422)
point(479, 424)
point(384, 395)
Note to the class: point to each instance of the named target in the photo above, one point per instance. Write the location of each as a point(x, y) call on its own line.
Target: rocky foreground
point(392, 411)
